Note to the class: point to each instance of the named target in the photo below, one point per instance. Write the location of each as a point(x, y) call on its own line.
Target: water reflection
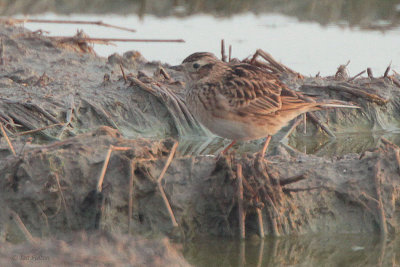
point(320, 145)
point(367, 14)
point(338, 250)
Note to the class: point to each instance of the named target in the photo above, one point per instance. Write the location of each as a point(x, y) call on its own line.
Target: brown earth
point(51, 185)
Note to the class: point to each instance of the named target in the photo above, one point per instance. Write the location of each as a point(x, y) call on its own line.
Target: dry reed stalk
point(265, 146)
point(88, 39)
point(380, 207)
point(63, 199)
point(369, 72)
point(294, 125)
point(161, 189)
point(387, 70)
point(359, 74)
point(130, 203)
point(321, 124)
point(106, 160)
point(99, 23)
point(123, 73)
point(223, 55)
point(260, 223)
point(397, 153)
point(3, 132)
point(39, 129)
point(22, 227)
point(242, 216)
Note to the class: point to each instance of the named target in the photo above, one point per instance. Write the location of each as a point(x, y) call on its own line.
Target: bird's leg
point(228, 147)
point(265, 146)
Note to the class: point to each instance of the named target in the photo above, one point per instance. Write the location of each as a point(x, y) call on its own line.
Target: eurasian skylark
point(240, 101)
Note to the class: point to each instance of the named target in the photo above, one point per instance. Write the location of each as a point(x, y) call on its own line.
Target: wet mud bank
point(90, 143)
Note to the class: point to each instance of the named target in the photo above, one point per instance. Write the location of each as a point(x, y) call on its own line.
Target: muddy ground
point(63, 107)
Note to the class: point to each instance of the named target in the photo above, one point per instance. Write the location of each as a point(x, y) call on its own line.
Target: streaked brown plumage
point(240, 101)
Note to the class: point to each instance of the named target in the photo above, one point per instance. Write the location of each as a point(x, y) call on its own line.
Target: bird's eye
point(196, 65)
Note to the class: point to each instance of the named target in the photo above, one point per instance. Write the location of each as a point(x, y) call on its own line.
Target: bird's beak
point(177, 68)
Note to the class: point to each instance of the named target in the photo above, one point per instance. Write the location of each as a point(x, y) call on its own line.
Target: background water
point(311, 41)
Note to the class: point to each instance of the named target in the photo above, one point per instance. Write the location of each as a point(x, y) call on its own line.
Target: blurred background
point(310, 36)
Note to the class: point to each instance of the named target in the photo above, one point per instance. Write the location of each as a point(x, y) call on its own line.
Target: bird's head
point(199, 65)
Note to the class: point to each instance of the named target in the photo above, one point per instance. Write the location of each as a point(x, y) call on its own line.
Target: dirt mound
point(55, 102)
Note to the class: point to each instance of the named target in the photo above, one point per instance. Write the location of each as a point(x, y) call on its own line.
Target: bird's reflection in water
point(325, 146)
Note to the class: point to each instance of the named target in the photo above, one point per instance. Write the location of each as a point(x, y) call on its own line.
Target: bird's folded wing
point(252, 91)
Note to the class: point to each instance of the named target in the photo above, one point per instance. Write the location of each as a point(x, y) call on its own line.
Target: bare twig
point(275, 64)
point(396, 82)
point(387, 70)
point(63, 199)
point(69, 114)
point(260, 223)
point(369, 72)
point(352, 90)
point(105, 164)
point(39, 129)
point(359, 74)
point(223, 55)
point(99, 23)
point(30, 106)
point(22, 227)
point(242, 216)
point(123, 73)
point(130, 203)
point(304, 123)
point(103, 170)
point(168, 162)
point(294, 125)
point(2, 60)
point(380, 207)
point(321, 124)
point(288, 190)
point(293, 179)
point(230, 53)
point(10, 146)
point(387, 142)
point(397, 154)
point(163, 195)
point(164, 73)
point(88, 39)
point(266, 143)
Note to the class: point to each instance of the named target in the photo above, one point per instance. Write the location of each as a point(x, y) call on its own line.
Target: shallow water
point(306, 47)
point(318, 250)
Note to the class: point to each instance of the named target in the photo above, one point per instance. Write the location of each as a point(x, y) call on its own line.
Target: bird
point(241, 101)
